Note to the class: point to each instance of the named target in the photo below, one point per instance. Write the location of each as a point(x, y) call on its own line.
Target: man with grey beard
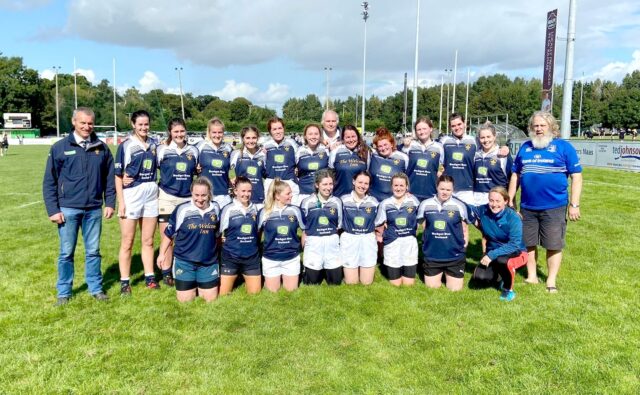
point(541, 169)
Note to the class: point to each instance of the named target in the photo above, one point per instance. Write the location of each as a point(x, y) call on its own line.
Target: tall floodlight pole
point(455, 74)
point(414, 108)
point(441, 92)
point(75, 84)
point(365, 16)
point(179, 70)
point(404, 112)
point(115, 111)
point(57, 69)
point(567, 94)
point(448, 89)
point(466, 102)
point(580, 108)
point(327, 72)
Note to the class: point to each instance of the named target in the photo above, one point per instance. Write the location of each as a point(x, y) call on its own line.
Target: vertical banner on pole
point(549, 61)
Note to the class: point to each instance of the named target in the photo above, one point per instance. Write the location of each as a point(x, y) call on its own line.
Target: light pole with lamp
point(414, 108)
point(179, 70)
point(365, 16)
point(328, 72)
point(57, 69)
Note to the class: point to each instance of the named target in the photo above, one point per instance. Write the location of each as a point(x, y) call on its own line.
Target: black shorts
point(248, 266)
point(453, 268)
point(544, 227)
point(394, 273)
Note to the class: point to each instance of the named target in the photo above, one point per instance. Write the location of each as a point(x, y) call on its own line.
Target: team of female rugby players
point(349, 204)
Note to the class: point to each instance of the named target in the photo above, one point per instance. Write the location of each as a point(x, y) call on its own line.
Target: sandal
point(552, 290)
point(536, 281)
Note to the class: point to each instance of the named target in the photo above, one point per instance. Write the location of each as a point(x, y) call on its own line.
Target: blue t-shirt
point(491, 171)
point(136, 161)
point(280, 227)
point(239, 225)
point(251, 166)
point(359, 217)
point(308, 163)
point(281, 158)
point(382, 170)
point(458, 160)
point(443, 237)
point(346, 164)
point(402, 221)
point(543, 174)
point(195, 233)
point(177, 168)
point(215, 163)
point(424, 162)
point(322, 219)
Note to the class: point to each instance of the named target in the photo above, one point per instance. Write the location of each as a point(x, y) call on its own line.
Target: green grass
point(374, 339)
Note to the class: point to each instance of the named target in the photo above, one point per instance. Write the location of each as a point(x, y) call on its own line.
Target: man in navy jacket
point(79, 177)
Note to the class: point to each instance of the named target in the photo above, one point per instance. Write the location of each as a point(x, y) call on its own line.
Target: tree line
point(608, 103)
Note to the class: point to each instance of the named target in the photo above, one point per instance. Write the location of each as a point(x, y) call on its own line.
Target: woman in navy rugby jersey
point(310, 158)
point(193, 227)
point(248, 161)
point(323, 217)
point(425, 159)
point(502, 228)
point(398, 214)
point(215, 160)
point(491, 169)
point(348, 159)
point(279, 222)
point(137, 201)
point(384, 163)
point(280, 152)
point(445, 236)
point(177, 161)
point(358, 245)
point(239, 227)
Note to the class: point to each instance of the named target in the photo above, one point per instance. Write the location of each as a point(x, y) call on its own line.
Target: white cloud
point(48, 74)
point(233, 89)
point(89, 74)
point(149, 81)
point(616, 71)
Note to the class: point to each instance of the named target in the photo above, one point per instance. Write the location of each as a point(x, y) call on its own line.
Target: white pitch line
point(612, 185)
point(29, 204)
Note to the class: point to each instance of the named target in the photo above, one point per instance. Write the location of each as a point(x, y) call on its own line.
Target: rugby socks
point(167, 272)
point(124, 282)
point(149, 277)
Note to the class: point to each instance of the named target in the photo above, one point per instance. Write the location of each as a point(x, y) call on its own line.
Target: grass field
point(377, 339)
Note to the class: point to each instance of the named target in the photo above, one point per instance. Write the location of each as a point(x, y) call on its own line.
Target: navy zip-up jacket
point(79, 178)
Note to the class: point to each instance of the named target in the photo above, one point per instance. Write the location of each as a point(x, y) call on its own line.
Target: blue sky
point(271, 50)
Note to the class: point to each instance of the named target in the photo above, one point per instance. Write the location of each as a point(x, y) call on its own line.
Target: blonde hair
point(401, 176)
point(549, 119)
point(277, 187)
point(215, 121)
point(502, 191)
point(487, 126)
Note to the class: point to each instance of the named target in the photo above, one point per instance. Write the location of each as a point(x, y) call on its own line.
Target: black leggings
point(315, 277)
point(502, 267)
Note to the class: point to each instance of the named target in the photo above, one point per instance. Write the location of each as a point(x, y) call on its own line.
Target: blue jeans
point(90, 220)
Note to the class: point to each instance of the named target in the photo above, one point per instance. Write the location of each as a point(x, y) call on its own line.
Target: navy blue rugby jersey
point(401, 220)
point(359, 217)
point(281, 158)
point(195, 232)
point(136, 160)
point(251, 166)
point(443, 237)
point(280, 228)
point(177, 168)
point(239, 225)
point(424, 162)
point(382, 169)
point(346, 164)
point(458, 160)
point(322, 219)
point(308, 162)
point(215, 163)
point(491, 170)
